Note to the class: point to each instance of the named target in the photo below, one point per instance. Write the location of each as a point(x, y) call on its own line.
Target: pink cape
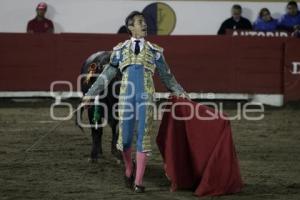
point(198, 154)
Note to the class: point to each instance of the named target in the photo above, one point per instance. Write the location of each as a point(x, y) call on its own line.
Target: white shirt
point(141, 44)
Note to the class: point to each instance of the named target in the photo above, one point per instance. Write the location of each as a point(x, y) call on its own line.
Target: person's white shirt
point(141, 44)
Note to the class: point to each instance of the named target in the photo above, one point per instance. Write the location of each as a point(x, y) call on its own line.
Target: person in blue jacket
point(265, 22)
point(291, 20)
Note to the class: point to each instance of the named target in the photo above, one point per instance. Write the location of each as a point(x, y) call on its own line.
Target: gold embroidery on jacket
point(146, 58)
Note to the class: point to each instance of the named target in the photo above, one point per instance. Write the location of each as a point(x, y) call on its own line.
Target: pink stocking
point(127, 161)
point(141, 161)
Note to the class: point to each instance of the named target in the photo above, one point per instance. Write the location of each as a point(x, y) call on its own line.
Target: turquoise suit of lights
point(136, 106)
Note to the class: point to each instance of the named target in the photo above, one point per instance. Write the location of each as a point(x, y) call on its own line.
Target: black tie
point(137, 47)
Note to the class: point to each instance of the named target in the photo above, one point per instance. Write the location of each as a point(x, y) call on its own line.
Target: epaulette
point(155, 47)
point(121, 45)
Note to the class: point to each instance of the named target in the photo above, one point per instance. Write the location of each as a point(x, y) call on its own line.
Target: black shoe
point(139, 189)
point(129, 181)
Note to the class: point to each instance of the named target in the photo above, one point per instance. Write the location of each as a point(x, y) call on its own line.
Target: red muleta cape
point(198, 154)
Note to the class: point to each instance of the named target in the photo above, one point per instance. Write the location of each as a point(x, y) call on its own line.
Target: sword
point(80, 108)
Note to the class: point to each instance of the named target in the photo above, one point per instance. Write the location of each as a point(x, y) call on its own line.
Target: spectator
point(265, 21)
point(291, 20)
point(236, 22)
point(40, 24)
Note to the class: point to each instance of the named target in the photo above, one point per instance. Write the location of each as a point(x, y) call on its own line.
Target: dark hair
point(129, 19)
point(292, 3)
point(237, 6)
point(262, 11)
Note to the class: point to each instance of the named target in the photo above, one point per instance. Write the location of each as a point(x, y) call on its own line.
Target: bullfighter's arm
point(109, 72)
point(167, 77)
point(102, 81)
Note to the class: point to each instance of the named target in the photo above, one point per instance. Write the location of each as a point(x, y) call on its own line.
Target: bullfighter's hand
point(85, 101)
point(182, 95)
point(185, 95)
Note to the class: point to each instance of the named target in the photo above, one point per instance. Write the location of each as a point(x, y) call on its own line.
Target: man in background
point(40, 24)
point(235, 22)
point(291, 20)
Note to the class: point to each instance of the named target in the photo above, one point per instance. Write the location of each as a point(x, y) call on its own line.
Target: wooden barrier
point(220, 64)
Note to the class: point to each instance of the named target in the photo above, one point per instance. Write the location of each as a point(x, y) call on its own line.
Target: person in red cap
point(40, 24)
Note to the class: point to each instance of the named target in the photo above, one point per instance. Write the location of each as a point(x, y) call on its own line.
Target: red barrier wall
point(200, 63)
point(292, 76)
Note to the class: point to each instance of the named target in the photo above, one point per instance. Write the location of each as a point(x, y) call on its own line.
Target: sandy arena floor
point(57, 167)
